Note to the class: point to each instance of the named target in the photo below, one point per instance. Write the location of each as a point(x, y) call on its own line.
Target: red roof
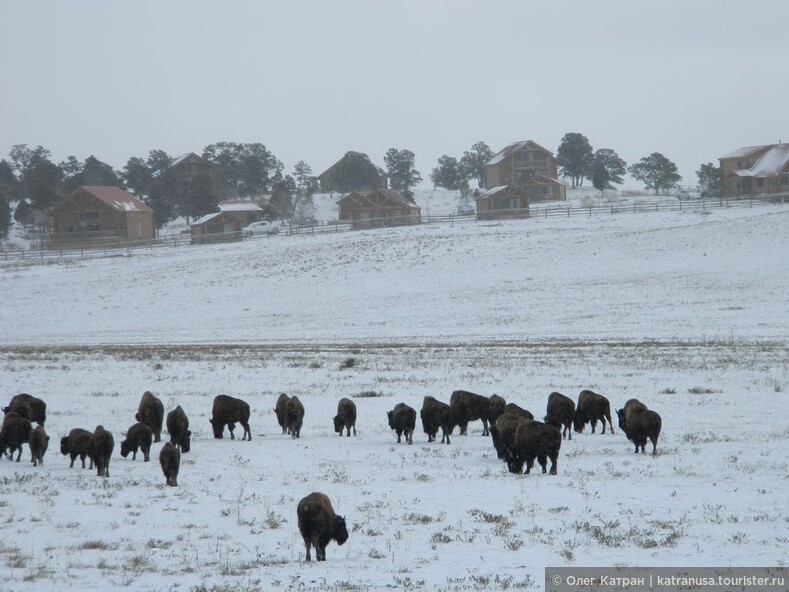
point(117, 198)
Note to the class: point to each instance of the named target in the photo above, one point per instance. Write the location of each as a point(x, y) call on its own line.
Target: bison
point(139, 436)
point(178, 428)
point(468, 407)
point(14, 432)
point(294, 416)
point(39, 442)
point(639, 424)
point(346, 417)
point(436, 414)
point(228, 410)
point(170, 460)
point(77, 443)
point(102, 444)
point(560, 413)
point(514, 409)
point(534, 439)
point(33, 408)
point(318, 524)
point(496, 407)
point(281, 410)
point(151, 413)
point(402, 419)
point(503, 433)
point(591, 408)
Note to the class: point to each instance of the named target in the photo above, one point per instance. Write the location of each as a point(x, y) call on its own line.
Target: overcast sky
point(314, 79)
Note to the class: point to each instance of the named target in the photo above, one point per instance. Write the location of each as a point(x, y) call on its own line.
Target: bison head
point(514, 462)
point(125, 448)
point(186, 444)
point(218, 428)
point(338, 425)
point(390, 417)
point(340, 530)
point(578, 423)
point(620, 413)
point(553, 420)
point(64, 445)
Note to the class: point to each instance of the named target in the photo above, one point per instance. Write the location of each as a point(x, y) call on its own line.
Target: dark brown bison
point(294, 416)
point(170, 460)
point(14, 432)
point(178, 428)
point(468, 407)
point(77, 443)
point(503, 433)
point(514, 409)
point(402, 419)
point(560, 413)
point(102, 444)
point(281, 410)
point(33, 408)
point(436, 414)
point(496, 406)
point(318, 524)
point(39, 442)
point(534, 439)
point(228, 410)
point(591, 408)
point(346, 417)
point(139, 436)
point(639, 424)
point(151, 413)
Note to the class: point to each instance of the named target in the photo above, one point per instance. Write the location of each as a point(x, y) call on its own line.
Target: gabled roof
point(206, 218)
point(745, 151)
point(116, 198)
point(352, 154)
point(182, 157)
point(514, 147)
point(771, 163)
point(387, 193)
point(239, 206)
point(492, 191)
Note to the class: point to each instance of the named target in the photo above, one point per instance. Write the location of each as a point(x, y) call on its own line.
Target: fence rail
point(120, 248)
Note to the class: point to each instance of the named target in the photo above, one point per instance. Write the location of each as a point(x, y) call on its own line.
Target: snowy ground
point(685, 311)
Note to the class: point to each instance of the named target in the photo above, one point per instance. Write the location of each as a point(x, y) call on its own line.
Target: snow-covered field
point(685, 311)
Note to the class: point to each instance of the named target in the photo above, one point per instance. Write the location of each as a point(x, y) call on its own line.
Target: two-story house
point(755, 170)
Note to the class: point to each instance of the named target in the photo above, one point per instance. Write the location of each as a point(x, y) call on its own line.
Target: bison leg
point(529, 465)
point(354, 429)
point(409, 437)
point(485, 430)
point(157, 436)
point(654, 445)
point(247, 432)
point(543, 460)
point(554, 461)
point(399, 433)
point(146, 453)
point(231, 427)
point(569, 431)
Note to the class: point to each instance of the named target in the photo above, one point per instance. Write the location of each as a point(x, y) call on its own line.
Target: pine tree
point(574, 156)
point(607, 169)
point(656, 172)
point(449, 174)
point(473, 162)
point(401, 171)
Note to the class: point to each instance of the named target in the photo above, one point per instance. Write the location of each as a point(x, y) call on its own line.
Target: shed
point(505, 201)
point(226, 224)
point(381, 207)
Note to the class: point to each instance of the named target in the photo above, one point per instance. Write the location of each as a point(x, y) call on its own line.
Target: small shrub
point(700, 390)
point(440, 537)
point(368, 395)
point(668, 391)
point(348, 363)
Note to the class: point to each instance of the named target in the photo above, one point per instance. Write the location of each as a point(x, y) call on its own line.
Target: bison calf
point(560, 413)
point(178, 428)
point(139, 436)
point(639, 424)
point(228, 410)
point(170, 460)
point(402, 419)
point(281, 410)
point(346, 417)
point(77, 443)
point(318, 524)
point(151, 413)
point(534, 439)
point(436, 414)
point(39, 442)
point(591, 408)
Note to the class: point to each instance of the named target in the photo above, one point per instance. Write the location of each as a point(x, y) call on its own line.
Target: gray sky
point(692, 79)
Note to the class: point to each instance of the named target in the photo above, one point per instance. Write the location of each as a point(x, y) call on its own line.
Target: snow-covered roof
point(771, 163)
point(239, 206)
point(181, 157)
point(492, 191)
point(744, 152)
point(116, 198)
point(204, 219)
point(514, 147)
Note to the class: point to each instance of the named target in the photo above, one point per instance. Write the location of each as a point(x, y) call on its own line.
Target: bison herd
point(517, 437)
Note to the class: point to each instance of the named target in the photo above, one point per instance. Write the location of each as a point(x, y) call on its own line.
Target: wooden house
point(226, 224)
point(382, 207)
point(526, 164)
point(506, 201)
point(188, 166)
point(97, 215)
point(354, 168)
point(755, 170)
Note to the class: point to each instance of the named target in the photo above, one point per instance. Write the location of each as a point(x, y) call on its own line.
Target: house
point(189, 165)
point(505, 201)
point(101, 216)
point(226, 224)
point(356, 170)
point(381, 207)
point(755, 170)
point(529, 166)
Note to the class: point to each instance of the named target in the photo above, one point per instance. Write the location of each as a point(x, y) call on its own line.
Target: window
point(89, 215)
point(760, 182)
point(785, 180)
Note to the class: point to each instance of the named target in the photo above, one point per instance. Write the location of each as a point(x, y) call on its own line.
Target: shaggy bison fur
point(318, 524)
point(514, 409)
point(402, 419)
point(39, 442)
point(77, 443)
point(102, 444)
point(560, 413)
point(228, 410)
point(281, 410)
point(178, 428)
point(591, 408)
point(639, 424)
point(151, 413)
point(496, 406)
point(534, 439)
point(170, 460)
point(436, 414)
point(346, 417)
point(294, 416)
point(468, 407)
point(138, 437)
point(33, 408)
point(14, 432)
point(503, 433)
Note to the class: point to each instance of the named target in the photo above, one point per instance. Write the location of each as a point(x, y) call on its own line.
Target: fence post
point(568, 211)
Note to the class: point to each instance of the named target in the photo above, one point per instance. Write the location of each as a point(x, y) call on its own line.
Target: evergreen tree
point(306, 185)
point(656, 172)
point(242, 169)
point(283, 190)
point(39, 178)
point(5, 215)
point(401, 171)
point(449, 174)
point(92, 172)
point(710, 180)
point(200, 197)
point(137, 177)
point(574, 156)
point(473, 162)
point(607, 169)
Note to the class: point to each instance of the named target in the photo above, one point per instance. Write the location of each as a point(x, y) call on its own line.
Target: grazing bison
point(151, 413)
point(591, 408)
point(560, 413)
point(639, 424)
point(178, 428)
point(402, 419)
point(436, 414)
point(33, 408)
point(514, 409)
point(294, 416)
point(39, 442)
point(496, 406)
point(503, 433)
point(346, 417)
point(228, 410)
point(170, 459)
point(77, 443)
point(14, 432)
point(102, 444)
point(468, 407)
point(534, 439)
point(139, 436)
point(318, 524)
point(281, 410)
